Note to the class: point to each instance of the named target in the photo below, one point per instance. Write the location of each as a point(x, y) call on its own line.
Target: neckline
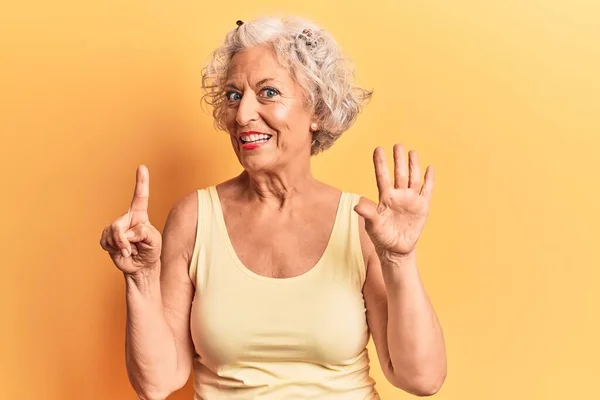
point(238, 262)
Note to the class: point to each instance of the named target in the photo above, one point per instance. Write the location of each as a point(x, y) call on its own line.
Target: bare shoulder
point(180, 228)
point(185, 206)
point(325, 193)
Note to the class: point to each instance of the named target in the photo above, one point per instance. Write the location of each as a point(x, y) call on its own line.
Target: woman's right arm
point(159, 292)
point(159, 347)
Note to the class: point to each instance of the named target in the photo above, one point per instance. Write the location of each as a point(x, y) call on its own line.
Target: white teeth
point(254, 137)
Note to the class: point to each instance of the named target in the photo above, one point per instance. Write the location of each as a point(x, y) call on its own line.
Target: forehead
point(256, 64)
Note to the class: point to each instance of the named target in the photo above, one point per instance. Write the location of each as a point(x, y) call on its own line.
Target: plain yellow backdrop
point(501, 97)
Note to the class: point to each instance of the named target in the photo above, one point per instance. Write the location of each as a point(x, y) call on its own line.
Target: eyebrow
point(263, 81)
point(232, 86)
point(260, 83)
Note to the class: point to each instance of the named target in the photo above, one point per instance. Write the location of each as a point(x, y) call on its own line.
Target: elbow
point(151, 396)
point(420, 387)
point(425, 388)
point(159, 386)
point(421, 384)
point(154, 394)
point(145, 391)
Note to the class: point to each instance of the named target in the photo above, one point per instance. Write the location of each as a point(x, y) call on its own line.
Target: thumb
point(141, 233)
point(365, 210)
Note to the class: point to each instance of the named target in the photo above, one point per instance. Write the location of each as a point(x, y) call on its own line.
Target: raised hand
point(132, 242)
point(395, 224)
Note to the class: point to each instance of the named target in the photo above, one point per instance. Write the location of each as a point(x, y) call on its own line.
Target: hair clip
point(239, 22)
point(307, 36)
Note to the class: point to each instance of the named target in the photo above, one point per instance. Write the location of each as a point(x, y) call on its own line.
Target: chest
point(319, 323)
point(280, 246)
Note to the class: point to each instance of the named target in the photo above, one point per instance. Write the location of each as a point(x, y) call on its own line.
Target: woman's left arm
point(405, 329)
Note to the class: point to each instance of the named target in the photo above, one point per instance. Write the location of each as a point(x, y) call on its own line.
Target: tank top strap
point(205, 224)
point(343, 256)
point(345, 252)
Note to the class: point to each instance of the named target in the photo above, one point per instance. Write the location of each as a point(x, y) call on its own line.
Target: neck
point(278, 187)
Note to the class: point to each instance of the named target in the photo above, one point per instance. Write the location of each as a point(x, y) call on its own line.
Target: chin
point(255, 163)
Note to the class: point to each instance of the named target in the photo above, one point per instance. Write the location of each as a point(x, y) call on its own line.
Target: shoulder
point(183, 208)
point(180, 228)
point(326, 193)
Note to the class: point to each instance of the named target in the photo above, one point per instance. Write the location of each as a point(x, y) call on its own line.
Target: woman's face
point(265, 113)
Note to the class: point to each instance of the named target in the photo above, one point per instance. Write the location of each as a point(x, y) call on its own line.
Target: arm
point(159, 347)
point(405, 329)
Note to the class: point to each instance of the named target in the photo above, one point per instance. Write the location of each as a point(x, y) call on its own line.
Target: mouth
point(255, 138)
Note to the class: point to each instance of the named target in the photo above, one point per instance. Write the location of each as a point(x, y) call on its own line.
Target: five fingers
point(406, 175)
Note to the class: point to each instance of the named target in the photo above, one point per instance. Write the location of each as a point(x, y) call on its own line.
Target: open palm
point(396, 223)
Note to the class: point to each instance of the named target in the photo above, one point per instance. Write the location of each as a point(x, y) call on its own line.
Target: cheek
point(287, 118)
point(278, 118)
point(228, 118)
point(281, 113)
point(230, 124)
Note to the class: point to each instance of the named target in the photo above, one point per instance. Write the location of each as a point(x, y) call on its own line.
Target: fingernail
point(125, 252)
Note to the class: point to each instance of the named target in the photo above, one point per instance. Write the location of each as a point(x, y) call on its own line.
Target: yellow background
point(502, 97)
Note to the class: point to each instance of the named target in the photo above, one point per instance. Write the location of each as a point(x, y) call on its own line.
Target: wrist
point(143, 288)
point(144, 277)
point(398, 269)
point(392, 259)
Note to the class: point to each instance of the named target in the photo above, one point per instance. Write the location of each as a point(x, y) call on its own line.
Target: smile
point(255, 138)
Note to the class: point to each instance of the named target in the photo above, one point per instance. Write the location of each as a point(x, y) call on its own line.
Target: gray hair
point(314, 60)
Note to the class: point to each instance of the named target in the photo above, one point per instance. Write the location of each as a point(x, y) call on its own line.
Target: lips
point(253, 139)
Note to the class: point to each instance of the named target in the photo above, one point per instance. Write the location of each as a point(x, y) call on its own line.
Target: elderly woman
point(270, 284)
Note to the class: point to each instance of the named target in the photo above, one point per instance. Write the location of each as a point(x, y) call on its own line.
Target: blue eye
point(233, 96)
point(270, 92)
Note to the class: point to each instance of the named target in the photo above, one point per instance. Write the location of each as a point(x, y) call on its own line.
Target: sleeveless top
point(263, 338)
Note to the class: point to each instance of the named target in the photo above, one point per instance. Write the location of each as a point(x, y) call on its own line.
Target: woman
point(269, 284)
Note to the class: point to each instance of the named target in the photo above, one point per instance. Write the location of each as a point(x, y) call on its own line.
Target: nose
point(247, 109)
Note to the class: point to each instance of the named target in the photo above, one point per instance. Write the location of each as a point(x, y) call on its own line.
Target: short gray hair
point(314, 60)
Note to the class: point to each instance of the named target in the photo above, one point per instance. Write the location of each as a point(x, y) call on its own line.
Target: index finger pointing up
point(139, 204)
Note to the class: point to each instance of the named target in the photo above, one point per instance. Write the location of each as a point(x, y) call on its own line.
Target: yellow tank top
point(265, 338)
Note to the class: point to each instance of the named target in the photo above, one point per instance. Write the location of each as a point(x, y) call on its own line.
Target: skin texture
point(277, 186)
